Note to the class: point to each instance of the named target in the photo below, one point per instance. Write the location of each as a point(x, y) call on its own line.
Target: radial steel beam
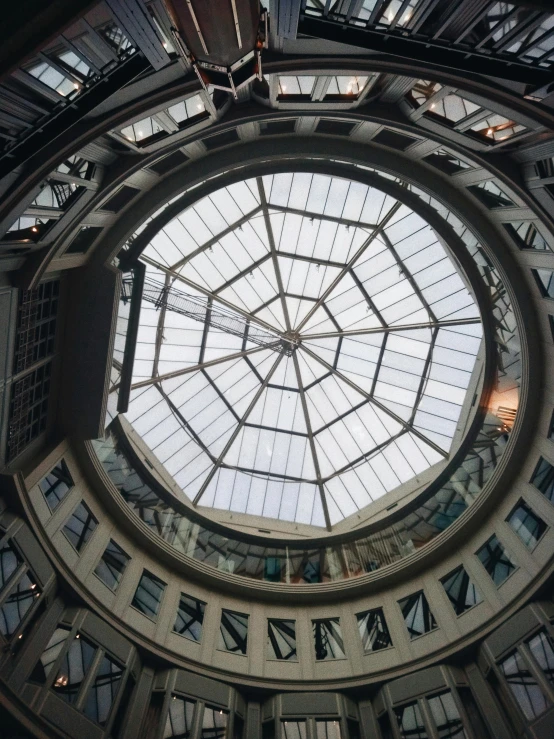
point(375, 402)
point(237, 430)
point(160, 328)
point(311, 441)
point(351, 262)
point(409, 277)
point(273, 250)
point(195, 367)
point(391, 329)
point(322, 217)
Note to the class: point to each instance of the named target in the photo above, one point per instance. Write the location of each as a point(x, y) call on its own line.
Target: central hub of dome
point(326, 356)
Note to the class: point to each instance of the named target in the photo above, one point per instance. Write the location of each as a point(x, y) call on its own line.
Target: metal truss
point(213, 311)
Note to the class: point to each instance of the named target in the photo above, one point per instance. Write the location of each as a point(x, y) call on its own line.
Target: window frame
point(505, 552)
point(23, 569)
point(87, 684)
point(524, 651)
point(147, 573)
point(65, 470)
point(522, 503)
point(90, 517)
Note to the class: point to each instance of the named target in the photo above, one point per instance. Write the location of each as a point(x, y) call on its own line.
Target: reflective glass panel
point(491, 195)
point(523, 685)
point(80, 526)
point(233, 632)
point(543, 479)
point(281, 637)
point(328, 640)
point(446, 716)
point(496, 560)
point(527, 525)
point(373, 630)
point(417, 614)
point(103, 691)
point(542, 649)
point(19, 601)
point(461, 592)
point(328, 730)
point(56, 484)
point(296, 85)
point(190, 617)
point(112, 565)
point(178, 724)
point(294, 729)
point(73, 669)
point(410, 722)
point(149, 594)
point(214, 723)
point(526, 235)
point(10, 559)
point(50, 654)
point(545, 281)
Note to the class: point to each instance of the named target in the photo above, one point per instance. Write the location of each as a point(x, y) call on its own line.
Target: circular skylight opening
point(306, 345)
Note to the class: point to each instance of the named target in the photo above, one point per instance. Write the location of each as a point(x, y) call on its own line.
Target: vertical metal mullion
point(536, 671)
point(428, 720)
point(90, 677)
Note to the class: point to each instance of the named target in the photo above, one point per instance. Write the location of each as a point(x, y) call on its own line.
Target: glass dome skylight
point(306, 344)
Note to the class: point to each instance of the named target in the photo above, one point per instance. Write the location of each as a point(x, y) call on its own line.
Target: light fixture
point(433, 106)
point(489, 132)
point(34, 229)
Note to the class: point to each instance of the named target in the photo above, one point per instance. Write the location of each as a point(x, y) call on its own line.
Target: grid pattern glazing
point(381, 333)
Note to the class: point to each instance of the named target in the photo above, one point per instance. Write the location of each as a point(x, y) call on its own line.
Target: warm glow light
point(283, 88)
point(75, 85)
point(433, 105)
point(34, 229)
point(489, 132)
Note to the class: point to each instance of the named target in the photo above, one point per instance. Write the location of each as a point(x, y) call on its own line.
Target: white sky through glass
point(382, 335)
